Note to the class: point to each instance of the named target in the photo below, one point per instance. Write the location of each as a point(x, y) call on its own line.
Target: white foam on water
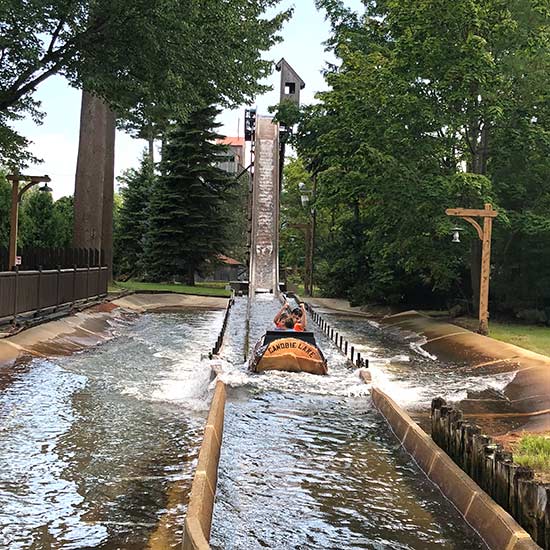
point(402, 358)
point(341, 380)
point(412, 394)
point(183, 382)
point(417, 347)
point(403, 392)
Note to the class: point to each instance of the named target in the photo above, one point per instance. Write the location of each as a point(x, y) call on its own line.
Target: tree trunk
point(90, 172)
point(151, 144)
point(190, 279)
point(108, 190)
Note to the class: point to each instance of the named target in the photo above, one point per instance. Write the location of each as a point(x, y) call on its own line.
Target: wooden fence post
point(15, 293)
point(74, 286)
point(58, 290)
point(39, 289)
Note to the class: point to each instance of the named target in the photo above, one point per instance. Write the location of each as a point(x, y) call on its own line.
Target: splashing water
point(94, 444)
point(307, 462)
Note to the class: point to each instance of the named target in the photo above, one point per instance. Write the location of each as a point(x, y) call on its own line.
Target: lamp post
point(484, 234)
point(16, 195)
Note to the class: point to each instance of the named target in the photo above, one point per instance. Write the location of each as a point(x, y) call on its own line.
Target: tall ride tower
point(268, 151)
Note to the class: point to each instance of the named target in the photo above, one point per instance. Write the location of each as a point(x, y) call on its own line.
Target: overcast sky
point(56, 140)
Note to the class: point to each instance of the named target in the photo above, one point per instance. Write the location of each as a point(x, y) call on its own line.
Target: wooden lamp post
point(485, 236)
point(16, 195)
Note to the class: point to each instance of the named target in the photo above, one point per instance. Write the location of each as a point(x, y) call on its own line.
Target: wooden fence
point(40, 291)
point(53, 258)
point(493, 469)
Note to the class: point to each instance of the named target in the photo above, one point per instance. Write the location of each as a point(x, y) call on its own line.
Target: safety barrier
point(198, 520)
point(35, 292)
point(496, 527)
point(219, 341)
point(342, 344)
point(486, 462)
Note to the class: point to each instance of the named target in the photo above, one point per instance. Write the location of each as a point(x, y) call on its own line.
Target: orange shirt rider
point(300, 319)
point(295, 320)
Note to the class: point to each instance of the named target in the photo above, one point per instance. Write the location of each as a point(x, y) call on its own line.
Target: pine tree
point(37, 224)
point(188, 217)
point(132, 222)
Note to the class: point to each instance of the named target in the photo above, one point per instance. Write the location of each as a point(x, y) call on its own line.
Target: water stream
point(99, 448)
point(94, 444)
point(307, 462)
point(402, 368)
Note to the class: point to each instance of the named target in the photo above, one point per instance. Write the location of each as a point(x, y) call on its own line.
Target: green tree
point(235, 212)
point(132, 223)
point(292, 244)
point(37, 227)
point(147, 59)
point(5, 208)
point(188, 227)
point(63, 221)
point(419, 117)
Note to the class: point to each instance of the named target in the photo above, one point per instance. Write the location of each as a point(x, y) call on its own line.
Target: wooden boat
point(288, 350)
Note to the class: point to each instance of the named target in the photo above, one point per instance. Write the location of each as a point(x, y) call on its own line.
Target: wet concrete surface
point(523, 404)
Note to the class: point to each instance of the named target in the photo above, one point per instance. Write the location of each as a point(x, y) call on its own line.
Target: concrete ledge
point(495, 526)
point(198, 520)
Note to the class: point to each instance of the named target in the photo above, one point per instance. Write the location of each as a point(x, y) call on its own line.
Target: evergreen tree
point(188, 217)
point(63, 218)
point(131, 225)
point(37, 227)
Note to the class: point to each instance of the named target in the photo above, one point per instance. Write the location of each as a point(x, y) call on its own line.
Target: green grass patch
point(198, 290)
point(213, 284)
point(532, 337)
point(533, 451)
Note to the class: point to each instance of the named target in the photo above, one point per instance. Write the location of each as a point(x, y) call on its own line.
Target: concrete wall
point(198, 520)
point(511, 485)
point(497, 528)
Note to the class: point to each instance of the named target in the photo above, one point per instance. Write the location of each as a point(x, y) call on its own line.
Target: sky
point(56, 140)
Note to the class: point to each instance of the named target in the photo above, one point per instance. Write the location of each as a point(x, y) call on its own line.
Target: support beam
point(485, 236)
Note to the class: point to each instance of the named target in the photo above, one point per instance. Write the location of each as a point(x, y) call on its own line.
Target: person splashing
point(291, 318)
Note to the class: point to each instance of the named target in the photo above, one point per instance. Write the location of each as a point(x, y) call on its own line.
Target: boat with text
point(288, 350)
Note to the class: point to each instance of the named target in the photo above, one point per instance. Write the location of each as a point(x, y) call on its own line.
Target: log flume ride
point(288, 350)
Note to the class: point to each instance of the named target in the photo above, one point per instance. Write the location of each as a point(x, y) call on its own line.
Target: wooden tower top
point(291, 83)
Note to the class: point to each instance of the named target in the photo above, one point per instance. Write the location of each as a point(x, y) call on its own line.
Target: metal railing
point(40, 291)
point(339, 341)
point(219, 341)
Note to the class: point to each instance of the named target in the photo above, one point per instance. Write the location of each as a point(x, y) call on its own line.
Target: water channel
point(99, 448)
point(93, 444)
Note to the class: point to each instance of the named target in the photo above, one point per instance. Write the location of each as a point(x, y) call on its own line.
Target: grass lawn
point(533, 451)
point(201, 289)
point(532, 337)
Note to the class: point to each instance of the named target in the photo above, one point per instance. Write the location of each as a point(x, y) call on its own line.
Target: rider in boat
point(284, 320)
point(291, 320)
point(300, 318)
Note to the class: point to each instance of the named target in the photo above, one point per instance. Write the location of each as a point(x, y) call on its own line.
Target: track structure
point(264, 246)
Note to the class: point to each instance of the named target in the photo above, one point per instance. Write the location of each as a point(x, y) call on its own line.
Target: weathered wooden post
point(485, 236)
